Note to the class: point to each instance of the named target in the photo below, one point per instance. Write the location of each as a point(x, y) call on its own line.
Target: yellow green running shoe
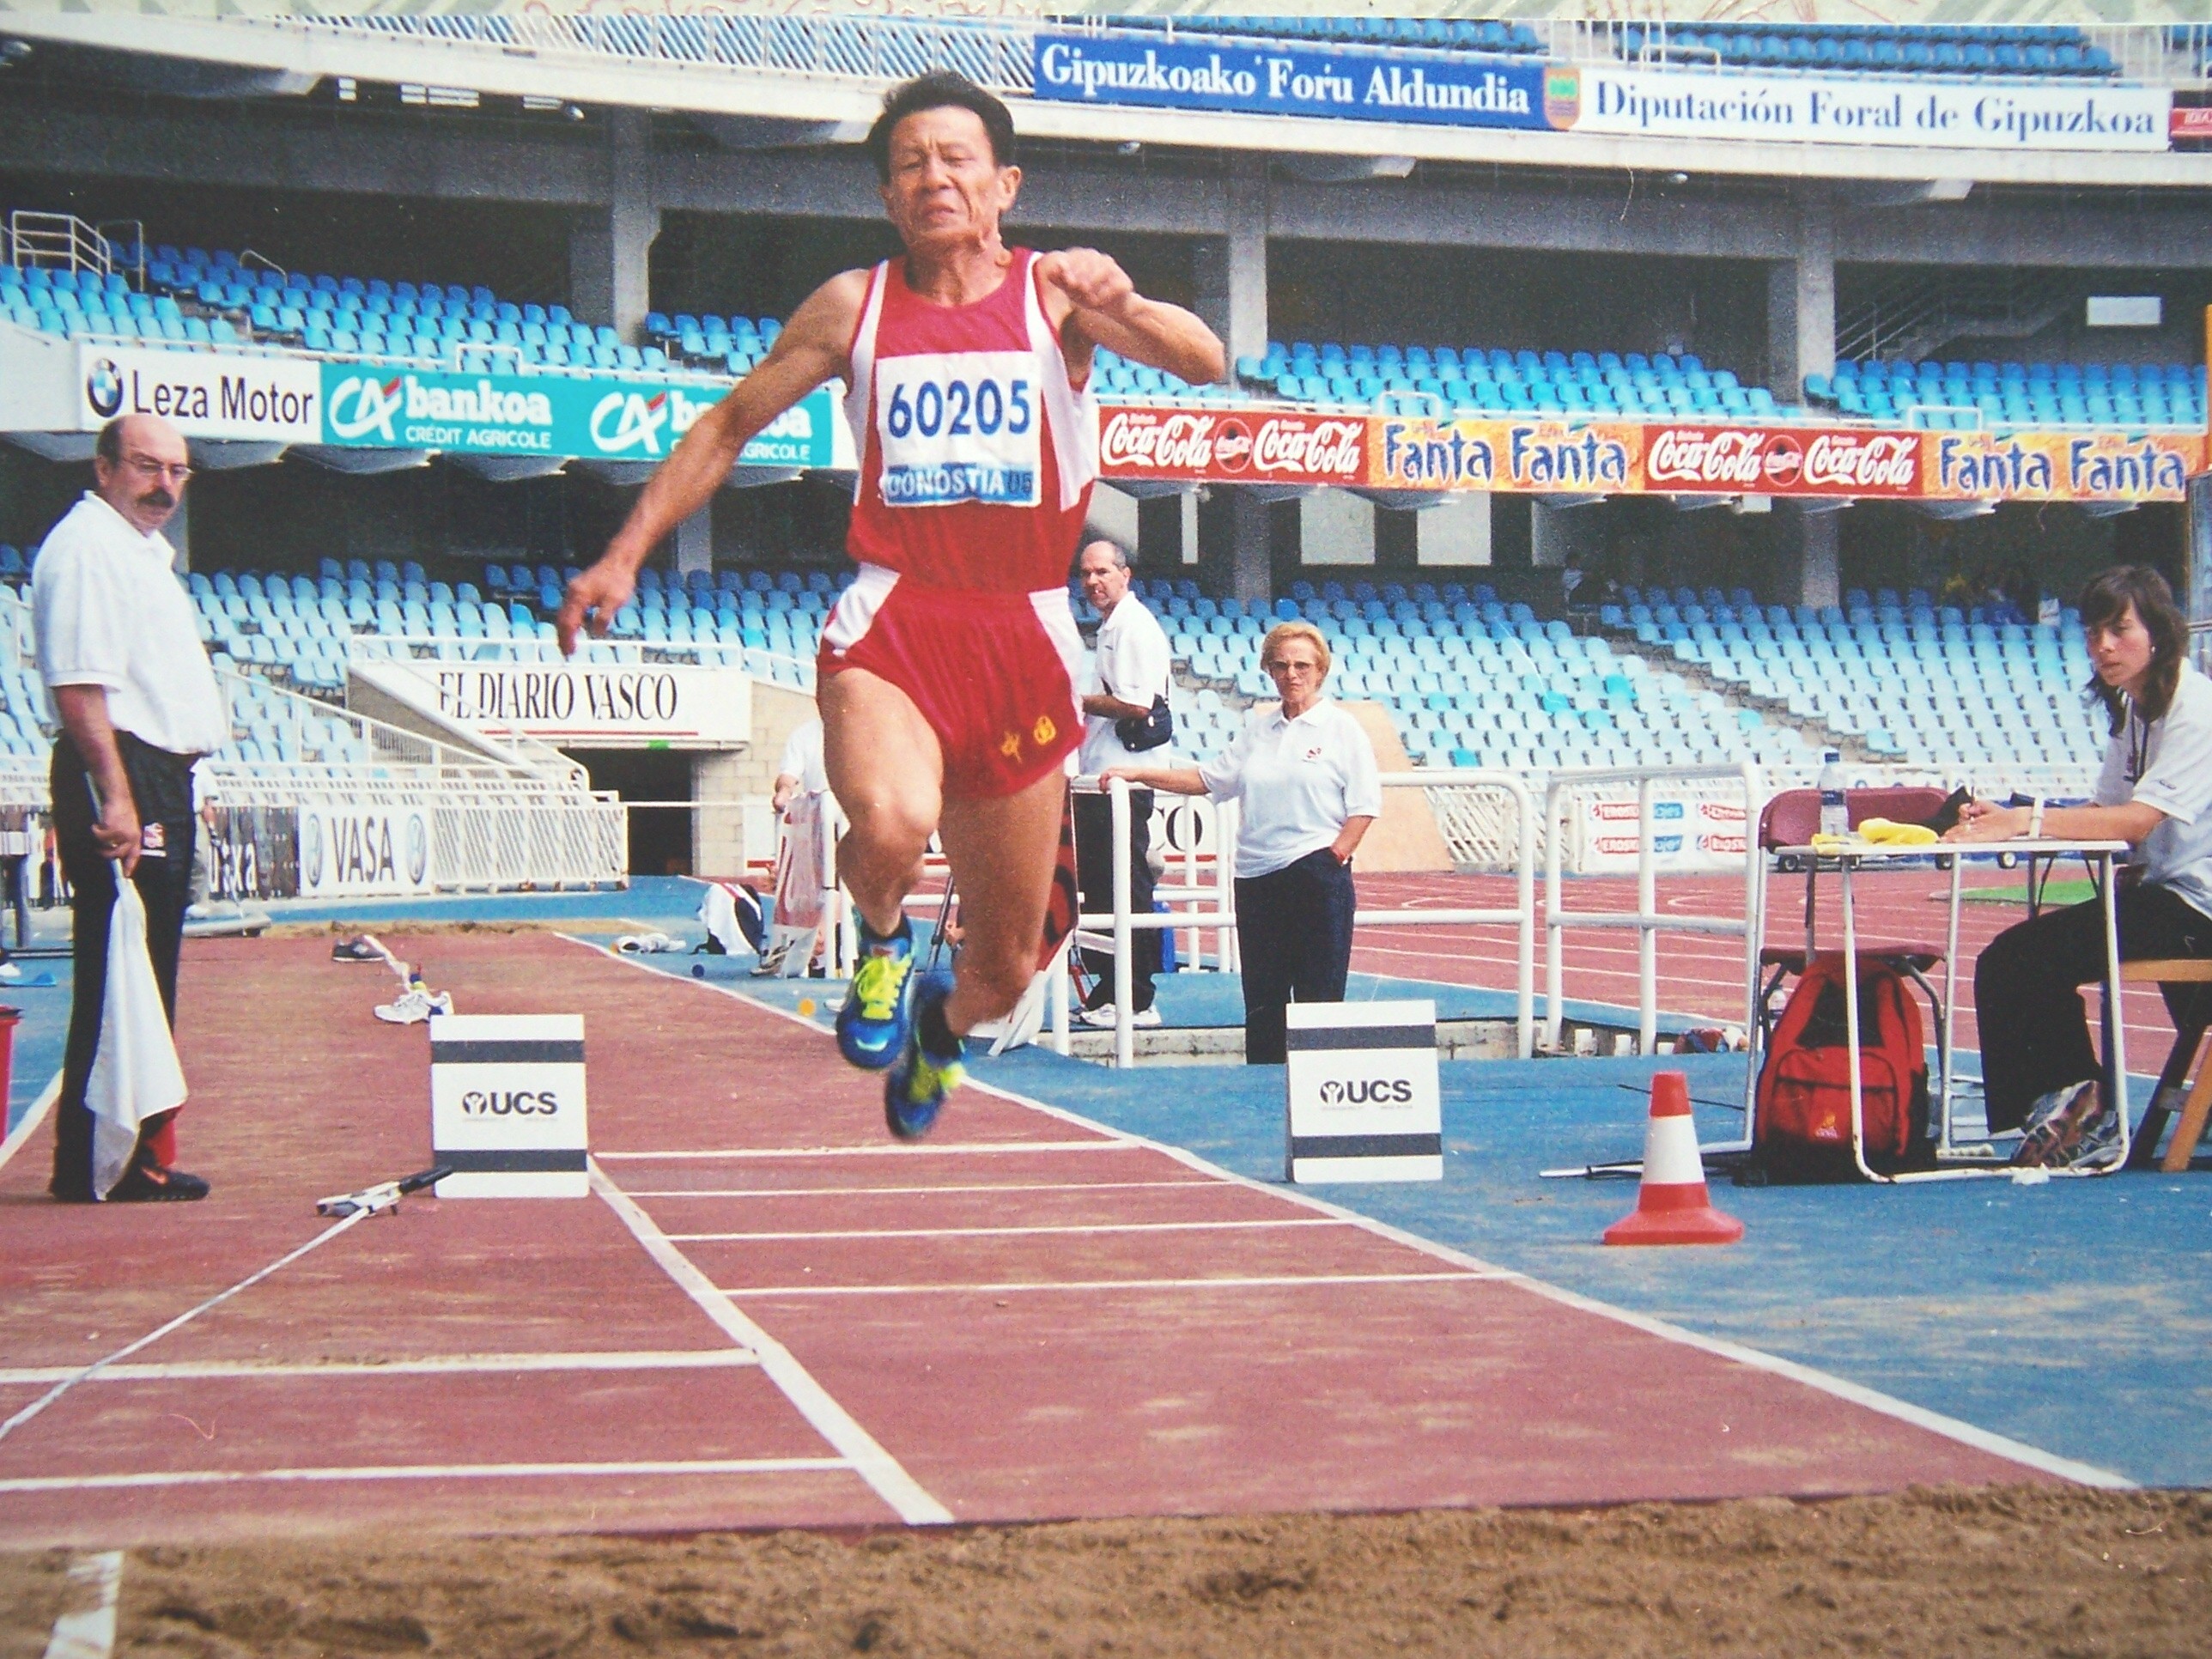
point(918, 1085)
point(878, 1017)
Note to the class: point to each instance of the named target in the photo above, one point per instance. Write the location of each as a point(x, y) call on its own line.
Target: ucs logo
point(103, 387)
point(518, 1103)
point(1367, 1091)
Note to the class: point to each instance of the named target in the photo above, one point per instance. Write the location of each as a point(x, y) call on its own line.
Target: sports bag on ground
point(1801, 1131)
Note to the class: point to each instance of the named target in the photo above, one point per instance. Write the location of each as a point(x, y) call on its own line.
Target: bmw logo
point(418, 850)
point(103, 387)
point(311, 850)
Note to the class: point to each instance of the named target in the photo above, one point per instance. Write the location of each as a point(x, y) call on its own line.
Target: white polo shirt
point(802, 758)
point(1133, 664)
point(2168, 765)
point(1298, 781)
point(110, 612)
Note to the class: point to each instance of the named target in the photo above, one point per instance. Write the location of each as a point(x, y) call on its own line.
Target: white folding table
point(1854, 857)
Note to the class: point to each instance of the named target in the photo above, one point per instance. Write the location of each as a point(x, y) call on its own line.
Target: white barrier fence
point(1647, 919)
point(1212, 906)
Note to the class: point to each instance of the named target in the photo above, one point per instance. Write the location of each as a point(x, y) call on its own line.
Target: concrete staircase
point(1817, 733)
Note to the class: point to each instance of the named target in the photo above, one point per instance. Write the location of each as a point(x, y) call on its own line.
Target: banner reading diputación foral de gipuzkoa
point(375, 406)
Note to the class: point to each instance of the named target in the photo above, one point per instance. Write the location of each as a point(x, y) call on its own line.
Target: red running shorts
point(992, 673)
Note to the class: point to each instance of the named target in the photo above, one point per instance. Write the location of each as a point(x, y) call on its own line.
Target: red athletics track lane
point(462, 1366)
point(1025, 1317)
point(1702, 974)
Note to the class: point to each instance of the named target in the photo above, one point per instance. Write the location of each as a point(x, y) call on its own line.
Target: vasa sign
point(366, 850)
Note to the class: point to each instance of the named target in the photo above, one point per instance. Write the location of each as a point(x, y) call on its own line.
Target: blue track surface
point(2075, 1316)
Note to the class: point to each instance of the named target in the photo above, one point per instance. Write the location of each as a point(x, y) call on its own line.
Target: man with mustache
point(139, 705)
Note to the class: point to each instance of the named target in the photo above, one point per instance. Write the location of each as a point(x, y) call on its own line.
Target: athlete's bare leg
point(886, 770)
point(1002, 853)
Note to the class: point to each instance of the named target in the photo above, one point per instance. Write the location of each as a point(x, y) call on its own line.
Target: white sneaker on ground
point(415, 1007)
point(1101, 1017)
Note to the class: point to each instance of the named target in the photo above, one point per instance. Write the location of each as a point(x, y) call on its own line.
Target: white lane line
point(1187, 1186)
point(1951, 1428)
point(853, 1443)
point(1937, 1423)
point(89, 1632)
point(32, 1118)
point(1254, 1282)
point(1015, 1232)
point(698, 1466)
point(489, 1364)
point(886, 1149)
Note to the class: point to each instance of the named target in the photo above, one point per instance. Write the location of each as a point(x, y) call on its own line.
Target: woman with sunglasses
point(1304, 775)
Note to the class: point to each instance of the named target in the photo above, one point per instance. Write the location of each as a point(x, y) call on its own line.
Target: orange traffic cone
point(1672, 1206)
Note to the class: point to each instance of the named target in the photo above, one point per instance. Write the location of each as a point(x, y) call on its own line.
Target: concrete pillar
point(1454, 533)
point(2197, 600)
point(1801, 304)
point(1811, 546)
point(695, 542)
point(1115, 514)
point(611, 248)
point(1800, 340)
point(1237, 545)
point(1232, 270)
point(718, 833)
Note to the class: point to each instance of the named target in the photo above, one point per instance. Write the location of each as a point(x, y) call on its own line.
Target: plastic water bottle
point(1835, 816)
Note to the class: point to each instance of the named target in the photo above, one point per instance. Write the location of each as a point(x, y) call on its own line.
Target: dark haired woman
point(2156, 791)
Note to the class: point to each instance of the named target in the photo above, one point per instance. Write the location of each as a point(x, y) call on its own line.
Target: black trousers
point(163, 885)
point(1094, 878)
point(1294, 933)
point(2027, 1001)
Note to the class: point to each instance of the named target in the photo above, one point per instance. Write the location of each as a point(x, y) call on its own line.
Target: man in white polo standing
point(139, 705)
point(1126, 698)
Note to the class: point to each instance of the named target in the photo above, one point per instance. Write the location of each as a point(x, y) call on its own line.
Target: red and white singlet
point(977, 462)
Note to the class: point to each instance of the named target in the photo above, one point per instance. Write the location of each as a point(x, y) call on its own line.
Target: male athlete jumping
point(947, 671)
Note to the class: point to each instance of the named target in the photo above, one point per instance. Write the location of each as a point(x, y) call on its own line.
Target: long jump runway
point(770, 1316)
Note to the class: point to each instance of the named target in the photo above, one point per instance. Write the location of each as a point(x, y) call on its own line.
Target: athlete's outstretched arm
point(1104, 308)
point(811, 348)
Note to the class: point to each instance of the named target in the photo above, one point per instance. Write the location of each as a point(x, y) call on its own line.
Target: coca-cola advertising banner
point(1292, 446)
point(2060, 466)
point(1766, 460)
point(1617, 458)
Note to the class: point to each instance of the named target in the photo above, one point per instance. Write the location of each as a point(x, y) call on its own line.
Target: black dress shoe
point(151, 1183)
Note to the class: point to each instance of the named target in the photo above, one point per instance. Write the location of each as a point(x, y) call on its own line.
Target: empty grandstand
point(1537, 406)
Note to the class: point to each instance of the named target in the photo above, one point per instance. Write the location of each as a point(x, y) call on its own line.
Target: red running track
point(1701, 973)
point(769, 1315)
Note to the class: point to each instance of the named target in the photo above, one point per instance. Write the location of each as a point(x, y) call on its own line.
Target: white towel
point(135, 1073)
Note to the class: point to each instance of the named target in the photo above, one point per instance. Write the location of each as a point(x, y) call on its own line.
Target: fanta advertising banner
point(1966, 114)
point(372, 407)
point(1281, 79)
point(2059, 466)
point(1291, 446)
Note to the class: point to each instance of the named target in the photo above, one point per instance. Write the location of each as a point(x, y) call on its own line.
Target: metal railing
point(1647, 919)
point(1215, 907)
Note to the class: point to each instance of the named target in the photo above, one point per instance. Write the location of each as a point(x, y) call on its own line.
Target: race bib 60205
point(959, 426)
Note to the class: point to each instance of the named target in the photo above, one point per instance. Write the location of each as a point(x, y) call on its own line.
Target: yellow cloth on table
point(1878, 832)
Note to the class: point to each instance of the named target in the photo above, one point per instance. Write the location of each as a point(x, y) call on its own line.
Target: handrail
point(1646, 919)
point(1125, 924)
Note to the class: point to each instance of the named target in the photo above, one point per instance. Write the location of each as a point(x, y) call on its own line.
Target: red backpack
point(1803, 1124)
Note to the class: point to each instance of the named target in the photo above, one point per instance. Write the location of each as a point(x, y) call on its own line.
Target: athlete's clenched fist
point(1092, 281)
